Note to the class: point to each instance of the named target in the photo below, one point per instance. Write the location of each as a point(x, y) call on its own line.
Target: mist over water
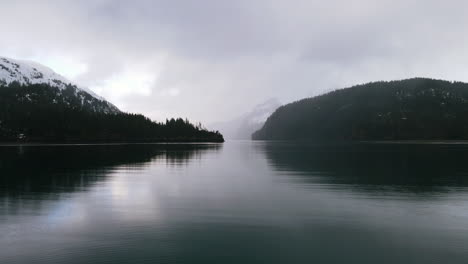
point(240, 202)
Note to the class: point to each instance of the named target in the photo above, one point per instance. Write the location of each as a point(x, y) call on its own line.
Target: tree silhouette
point(42, 113)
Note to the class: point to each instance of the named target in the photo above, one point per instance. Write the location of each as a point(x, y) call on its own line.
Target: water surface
point(238, 202)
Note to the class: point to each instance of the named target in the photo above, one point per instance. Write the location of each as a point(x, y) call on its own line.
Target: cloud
point(212, 60)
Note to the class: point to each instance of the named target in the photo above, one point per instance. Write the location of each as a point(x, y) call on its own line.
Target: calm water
point(240, 202)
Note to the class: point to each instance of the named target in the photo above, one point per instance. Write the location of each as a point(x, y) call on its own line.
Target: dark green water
point(240, 202)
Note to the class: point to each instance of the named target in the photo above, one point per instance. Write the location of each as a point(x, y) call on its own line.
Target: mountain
point(413, 109)
point(243, 126)
point(38, 105)
point(27, 73)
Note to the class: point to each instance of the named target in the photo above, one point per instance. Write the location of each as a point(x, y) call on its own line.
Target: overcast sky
point(211, 60)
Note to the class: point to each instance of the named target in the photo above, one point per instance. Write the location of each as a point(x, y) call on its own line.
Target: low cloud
point(212, 60)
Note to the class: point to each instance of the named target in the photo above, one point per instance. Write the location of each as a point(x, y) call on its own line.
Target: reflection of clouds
point(67, 214)
point(133, 197)
point(130, 193)
point(235, 196)
point(239, 186)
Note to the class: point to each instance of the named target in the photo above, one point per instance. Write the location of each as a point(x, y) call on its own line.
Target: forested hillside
point(44, 113)
point(413, 109)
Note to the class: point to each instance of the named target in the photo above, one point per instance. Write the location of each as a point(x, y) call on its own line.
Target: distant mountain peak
point(262, 111)
point(243, 126)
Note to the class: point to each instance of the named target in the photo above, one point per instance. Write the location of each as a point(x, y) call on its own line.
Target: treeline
point(414, 109)
point(40, 113)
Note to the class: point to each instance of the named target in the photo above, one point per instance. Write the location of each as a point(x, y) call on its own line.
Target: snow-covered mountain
point(30, 73)
point(246, 124)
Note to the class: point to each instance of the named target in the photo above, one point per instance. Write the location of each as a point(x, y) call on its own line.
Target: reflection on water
point(241, 202)
point(34, 170)
point(401, 167)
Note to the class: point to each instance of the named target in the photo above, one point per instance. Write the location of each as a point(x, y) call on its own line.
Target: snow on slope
point(29, 72)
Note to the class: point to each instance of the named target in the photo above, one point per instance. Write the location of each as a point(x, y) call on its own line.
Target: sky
point(213, 60)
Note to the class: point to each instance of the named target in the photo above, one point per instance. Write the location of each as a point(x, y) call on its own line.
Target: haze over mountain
point(243, 126)
point(413, 109)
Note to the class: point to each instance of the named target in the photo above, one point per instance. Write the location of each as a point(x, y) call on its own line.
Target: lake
point(238, 202)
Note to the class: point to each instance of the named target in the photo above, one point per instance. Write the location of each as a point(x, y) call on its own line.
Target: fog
point(213, 60)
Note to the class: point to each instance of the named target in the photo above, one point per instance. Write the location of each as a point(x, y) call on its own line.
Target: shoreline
point(33, 144)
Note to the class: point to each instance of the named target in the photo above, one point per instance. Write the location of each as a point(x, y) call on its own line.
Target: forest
point(42, 113)
point(412, 109)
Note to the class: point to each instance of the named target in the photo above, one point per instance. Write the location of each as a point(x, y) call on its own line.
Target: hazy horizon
point(215, 60)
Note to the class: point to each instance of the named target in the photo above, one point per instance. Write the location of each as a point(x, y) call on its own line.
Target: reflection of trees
point(36, 170)
point(417, 167)
point(182, 154)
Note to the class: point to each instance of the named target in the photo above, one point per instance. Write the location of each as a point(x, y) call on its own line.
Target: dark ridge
point(46, 114)
point(413, 109)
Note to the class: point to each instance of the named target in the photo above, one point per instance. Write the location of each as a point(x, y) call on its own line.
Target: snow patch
point(29, 72)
